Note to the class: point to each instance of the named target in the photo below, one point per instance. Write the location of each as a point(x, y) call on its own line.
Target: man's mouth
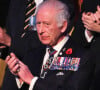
point(44, 37)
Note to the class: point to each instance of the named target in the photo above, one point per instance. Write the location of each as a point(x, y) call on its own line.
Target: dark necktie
point(48, 62)
point(30, 11)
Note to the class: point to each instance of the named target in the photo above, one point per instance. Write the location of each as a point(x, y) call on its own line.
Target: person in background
point(88, 25)
point(4, 39)
point(67, 66)
point(87, 32)
point(92, 24)
point(79, 32)
point(92, 20)
point(4, 4)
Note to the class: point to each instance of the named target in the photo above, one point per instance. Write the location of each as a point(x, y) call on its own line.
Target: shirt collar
point(59, 46)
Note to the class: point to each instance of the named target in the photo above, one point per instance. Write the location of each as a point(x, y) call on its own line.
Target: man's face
point(47, 28)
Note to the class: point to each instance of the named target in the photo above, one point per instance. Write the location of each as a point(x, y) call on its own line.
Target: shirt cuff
point(89, 39)
point(33, 83)
point(19, 84)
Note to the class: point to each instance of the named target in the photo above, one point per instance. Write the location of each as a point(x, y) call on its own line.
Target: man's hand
point(91, 21)
point(19, 68)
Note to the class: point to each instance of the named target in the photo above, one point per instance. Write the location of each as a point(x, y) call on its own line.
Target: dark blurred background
point(4, 5)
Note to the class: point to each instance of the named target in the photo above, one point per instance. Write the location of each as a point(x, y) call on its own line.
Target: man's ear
point(64, 26)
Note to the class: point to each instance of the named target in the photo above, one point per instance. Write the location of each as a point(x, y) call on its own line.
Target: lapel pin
point(69, 51)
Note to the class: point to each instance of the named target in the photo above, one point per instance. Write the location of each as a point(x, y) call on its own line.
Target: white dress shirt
point(89, 39)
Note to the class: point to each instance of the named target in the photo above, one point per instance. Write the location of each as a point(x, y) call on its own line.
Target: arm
point(4, 38)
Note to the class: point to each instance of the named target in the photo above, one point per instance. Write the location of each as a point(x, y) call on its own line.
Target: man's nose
point(41, 29)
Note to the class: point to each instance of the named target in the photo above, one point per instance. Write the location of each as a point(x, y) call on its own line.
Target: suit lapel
point(67, 50)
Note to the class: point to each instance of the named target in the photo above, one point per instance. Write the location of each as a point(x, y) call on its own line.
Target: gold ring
point(18, 70)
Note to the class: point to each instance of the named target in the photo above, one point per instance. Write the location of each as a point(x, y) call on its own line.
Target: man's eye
point(38, 23)
point(47, 24)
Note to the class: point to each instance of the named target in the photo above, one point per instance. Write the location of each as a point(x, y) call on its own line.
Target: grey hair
point(62, 14)
point(61, 8)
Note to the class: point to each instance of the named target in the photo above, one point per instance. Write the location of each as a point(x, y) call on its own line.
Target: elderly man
point(65, 64)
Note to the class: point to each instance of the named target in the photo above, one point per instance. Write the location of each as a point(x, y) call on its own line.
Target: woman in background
point(91, 22)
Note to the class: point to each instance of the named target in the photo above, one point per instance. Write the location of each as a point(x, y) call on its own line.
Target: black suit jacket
point(62, 76)
point(95, 55)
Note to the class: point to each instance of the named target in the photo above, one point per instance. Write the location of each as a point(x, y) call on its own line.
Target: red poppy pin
point(69, 51)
